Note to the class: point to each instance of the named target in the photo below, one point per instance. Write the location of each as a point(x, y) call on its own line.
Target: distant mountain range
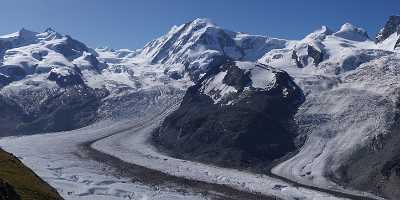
point(325, 106)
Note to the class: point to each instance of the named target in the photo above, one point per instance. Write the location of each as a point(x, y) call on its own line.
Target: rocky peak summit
point(391, 26)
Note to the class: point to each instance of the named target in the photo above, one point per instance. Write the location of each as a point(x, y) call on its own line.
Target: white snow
point(349, 99)
point(216, 89)
point(351, 32)
point(261, 77)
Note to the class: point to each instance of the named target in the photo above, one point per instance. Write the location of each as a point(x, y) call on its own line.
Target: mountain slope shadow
point(238, 115)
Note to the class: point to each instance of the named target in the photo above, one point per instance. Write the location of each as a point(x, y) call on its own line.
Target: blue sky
point(132, 23)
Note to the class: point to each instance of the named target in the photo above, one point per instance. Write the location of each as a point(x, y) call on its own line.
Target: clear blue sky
point(132, 23)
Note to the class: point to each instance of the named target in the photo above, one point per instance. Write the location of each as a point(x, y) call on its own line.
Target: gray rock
point(66, 76)
point(391, 26)
point(4, 80)
point(7, 192)
point(253, 131)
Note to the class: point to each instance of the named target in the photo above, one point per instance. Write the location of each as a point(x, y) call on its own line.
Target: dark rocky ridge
point(312, 52)
point(4, 80)
point(7, 192)
point(253, 131)
point(397, 45)
point(17, 182)
point(391, 26)
point(70, 77)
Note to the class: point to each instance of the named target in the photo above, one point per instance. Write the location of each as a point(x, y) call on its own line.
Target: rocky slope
point(7, 192)
point(238, 115)
point(17, 182)
point(390, 33)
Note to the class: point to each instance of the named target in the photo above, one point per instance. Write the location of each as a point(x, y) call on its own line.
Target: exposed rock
point(4, 45)
point(247, 127)
point(70, 48)
point(391, 26)
point(7, 192)
point(4, 80)
point(397, 43)
point(302, 54)
point(66, 76)
point(19, 182)
point(14, 72)
point(236, 77)
point(315, 54)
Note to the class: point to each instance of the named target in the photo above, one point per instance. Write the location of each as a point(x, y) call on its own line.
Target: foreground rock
point(17, 182)
point(239, 115)
point(7, 192)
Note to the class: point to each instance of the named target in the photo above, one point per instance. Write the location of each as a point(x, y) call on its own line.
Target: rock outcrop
point(391, 26)
point(238, 115)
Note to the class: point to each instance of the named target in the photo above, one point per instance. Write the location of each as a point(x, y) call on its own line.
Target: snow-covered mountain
point(351, 86)
point(52, 82)
point(350, 114)
point(198, 45)
point(332, 96)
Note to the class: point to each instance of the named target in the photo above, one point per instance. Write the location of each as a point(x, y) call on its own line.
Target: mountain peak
point(206, 21)
point(326, 29)
point(26, 33)
point(350, 32)
point(391, 26)
point(347, 26)
point(50, 30)
point(320, 33)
